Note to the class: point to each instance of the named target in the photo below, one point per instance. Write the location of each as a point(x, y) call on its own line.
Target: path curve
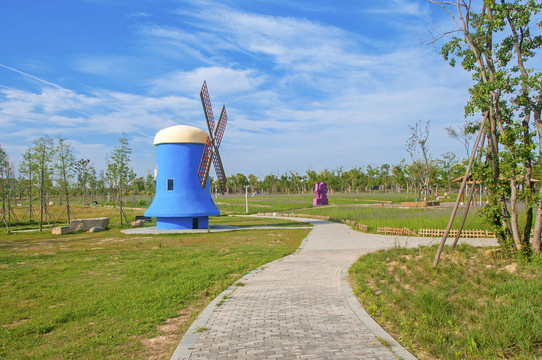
point(300, 306)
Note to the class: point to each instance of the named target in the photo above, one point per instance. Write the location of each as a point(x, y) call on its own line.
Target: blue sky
point(307, 84)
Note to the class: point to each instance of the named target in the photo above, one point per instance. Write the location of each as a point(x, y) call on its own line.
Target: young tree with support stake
point(65, 163)
point(41, 152)
point(416, 144)
point(495, 45)
point(119, 170)
point(28, 171)
point(5, 173)
point(83, 171)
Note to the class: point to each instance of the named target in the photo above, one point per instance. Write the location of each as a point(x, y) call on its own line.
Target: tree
point(270, 183)
point(5, 173)
point(93, 183)
point(28, 171)
point(241, 181)
point(384, 174)
point(461, 134)
point(119, 171)
point(447, 163)
point(83, 170)
point(253, 180)
point(399, 175)
point(42, 151)
point(416, 146)
point(495, 45)
point(65, 162)
point(150, 184)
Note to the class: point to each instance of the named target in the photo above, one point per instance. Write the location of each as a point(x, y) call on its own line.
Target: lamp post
point(246, 198)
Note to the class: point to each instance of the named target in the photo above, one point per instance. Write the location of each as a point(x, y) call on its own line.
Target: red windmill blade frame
point(210, 151)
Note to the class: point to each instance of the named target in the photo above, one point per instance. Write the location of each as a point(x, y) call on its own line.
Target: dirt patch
point(14, 324)
point(171, 333)
point(511, 268)
point(108, 240)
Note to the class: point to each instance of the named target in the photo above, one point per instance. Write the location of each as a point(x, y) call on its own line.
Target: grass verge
point(109, 295)
point(412, 218)
point(475, 305)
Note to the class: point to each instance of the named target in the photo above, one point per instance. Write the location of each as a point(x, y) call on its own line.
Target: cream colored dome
point(180, 134)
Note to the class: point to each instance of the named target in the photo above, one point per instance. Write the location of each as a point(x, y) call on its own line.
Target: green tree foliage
point(41, 152)
point(445, 169)
point(495, 45)
point(119, 171)
point(6, 183)
point(83, 170)
point(253, 180)
point(28, 172)
point(64, 166)
point(150, 184)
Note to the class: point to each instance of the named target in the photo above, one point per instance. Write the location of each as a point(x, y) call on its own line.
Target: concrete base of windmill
point(174, 223)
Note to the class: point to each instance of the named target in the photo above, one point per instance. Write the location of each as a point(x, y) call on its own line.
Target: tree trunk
point(42, 195)
point(538, 219)
point(461, 189)
point(514, 214)
point(30, 200)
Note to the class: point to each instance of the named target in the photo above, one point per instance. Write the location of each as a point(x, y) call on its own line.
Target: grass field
point(266, 203)
point(413, 218)
point(475, 305)
point(56, 215)
point(358, 207)
point(374, 210)
point(108, 295)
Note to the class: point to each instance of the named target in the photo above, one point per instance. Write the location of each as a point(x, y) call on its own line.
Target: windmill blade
point(219, 169)
point(220, 127)
point(205, 163)
point(207, 109)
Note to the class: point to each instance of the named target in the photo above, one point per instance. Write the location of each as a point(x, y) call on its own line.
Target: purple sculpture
point(321, 194)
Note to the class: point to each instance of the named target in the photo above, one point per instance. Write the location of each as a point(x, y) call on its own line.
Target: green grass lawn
point(371, 209)
point(355, 207)
point(109, 295)
point(475, 305)
point(413, 218)
point(269, 203)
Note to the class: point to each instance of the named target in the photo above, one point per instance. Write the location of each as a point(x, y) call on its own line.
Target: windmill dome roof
point(180, 134)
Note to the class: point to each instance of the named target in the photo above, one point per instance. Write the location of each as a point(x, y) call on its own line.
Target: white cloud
point(300, 92)
point(401, 7)
point(139, 14)
point(292, 43)
point(101, 65)
point(220, 81)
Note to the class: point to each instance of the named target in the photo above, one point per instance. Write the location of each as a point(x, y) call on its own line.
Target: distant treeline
point(401, 177)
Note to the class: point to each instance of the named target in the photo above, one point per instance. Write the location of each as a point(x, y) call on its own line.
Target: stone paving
point(299, 307)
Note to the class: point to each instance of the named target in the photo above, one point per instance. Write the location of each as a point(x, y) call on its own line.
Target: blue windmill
point(183, 159)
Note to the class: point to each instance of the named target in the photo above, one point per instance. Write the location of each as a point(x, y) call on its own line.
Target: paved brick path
point(298, 307)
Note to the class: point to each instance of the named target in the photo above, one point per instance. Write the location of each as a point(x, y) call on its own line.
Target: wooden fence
point(391, 230)
point(466, 233)
point(395, 231)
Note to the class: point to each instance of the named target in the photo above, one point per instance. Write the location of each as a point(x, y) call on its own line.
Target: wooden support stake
point(461, 190)
point(471, 197)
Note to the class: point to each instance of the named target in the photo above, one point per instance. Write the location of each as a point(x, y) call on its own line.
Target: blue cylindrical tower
point(180, 202)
